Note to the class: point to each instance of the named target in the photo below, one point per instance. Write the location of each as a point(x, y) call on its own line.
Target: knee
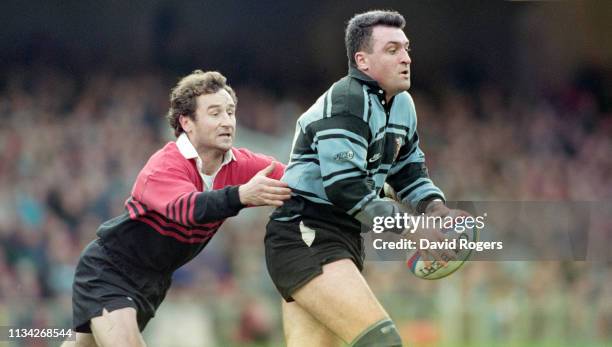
point(381, 334)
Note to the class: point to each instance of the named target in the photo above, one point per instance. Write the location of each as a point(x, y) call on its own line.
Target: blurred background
point(514, 103)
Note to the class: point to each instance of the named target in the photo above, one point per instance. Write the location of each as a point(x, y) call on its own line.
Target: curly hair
point(183, 95)
point(358, 33)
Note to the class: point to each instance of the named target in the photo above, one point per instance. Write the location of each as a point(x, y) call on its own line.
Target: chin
point(405, 85)
point(225, 146)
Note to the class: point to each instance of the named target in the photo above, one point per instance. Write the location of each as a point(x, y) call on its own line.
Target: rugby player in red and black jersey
point(179, 200)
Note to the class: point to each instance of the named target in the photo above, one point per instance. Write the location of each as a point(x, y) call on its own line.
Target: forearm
point(432, 204)
point(216, 205)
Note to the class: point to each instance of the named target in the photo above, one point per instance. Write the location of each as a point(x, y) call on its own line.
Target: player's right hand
point(262, 190)
point(443, 256)
point(432, 234)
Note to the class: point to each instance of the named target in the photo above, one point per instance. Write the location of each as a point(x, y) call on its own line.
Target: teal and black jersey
point(347, 145)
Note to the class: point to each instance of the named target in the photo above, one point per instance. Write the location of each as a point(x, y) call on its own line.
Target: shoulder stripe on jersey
point(340, 136)
point(342, 124)
point(340, 131)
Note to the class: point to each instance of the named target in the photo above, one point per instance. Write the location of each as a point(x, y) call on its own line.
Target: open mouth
point(405, 73)
point(226, 135)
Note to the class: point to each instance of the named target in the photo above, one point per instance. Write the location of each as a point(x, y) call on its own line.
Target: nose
point(405, 57)
point(227, 120)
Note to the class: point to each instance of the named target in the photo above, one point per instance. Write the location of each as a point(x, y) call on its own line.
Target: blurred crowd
point(71, 148)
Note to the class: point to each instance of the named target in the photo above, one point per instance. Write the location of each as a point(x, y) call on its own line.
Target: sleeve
point(172, 194)
point(259, 162)
point(409, 177)
point(341, 143)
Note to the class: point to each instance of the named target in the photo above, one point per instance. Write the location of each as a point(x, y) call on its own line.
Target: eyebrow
point(407, 43)
point(220, 105)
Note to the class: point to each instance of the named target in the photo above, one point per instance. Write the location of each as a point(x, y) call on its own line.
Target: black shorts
point(296, 251)
point(101, 284)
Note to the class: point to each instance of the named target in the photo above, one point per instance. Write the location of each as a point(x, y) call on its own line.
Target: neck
point(211, 160)
point(389, 96)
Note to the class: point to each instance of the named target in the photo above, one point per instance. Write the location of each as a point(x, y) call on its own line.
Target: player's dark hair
point(183, 95)
point(358, 34)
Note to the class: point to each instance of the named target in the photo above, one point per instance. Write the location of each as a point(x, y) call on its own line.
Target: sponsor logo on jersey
point(344, 156)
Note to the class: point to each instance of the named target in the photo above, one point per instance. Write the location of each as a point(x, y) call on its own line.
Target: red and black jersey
point(170, 216)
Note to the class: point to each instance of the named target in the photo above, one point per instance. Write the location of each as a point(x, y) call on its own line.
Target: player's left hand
point(262, 190)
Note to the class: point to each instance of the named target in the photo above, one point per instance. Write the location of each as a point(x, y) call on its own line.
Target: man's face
point(389, 62)
point(215, 122)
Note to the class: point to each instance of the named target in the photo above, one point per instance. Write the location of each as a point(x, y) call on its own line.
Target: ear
point(361, 60)
point(186, 123)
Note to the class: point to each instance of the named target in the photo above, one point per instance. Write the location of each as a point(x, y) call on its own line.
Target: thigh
point(296, 252)
point(100, 284)
point(118, 328)
point(341, 300)
point(303, 330)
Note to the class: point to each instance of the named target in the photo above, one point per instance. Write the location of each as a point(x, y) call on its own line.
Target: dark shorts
point(296, 251)
point(101, 284)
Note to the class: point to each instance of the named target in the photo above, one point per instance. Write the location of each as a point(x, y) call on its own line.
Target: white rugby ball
point(436, 270)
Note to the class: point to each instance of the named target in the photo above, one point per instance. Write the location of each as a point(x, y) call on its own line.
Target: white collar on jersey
point(189, 152)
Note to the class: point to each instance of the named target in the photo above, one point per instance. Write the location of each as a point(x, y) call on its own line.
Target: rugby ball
point(460, 239)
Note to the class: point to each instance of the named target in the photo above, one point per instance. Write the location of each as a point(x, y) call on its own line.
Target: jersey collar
point(189, 152)
point(358, 74)
point(374, 87)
